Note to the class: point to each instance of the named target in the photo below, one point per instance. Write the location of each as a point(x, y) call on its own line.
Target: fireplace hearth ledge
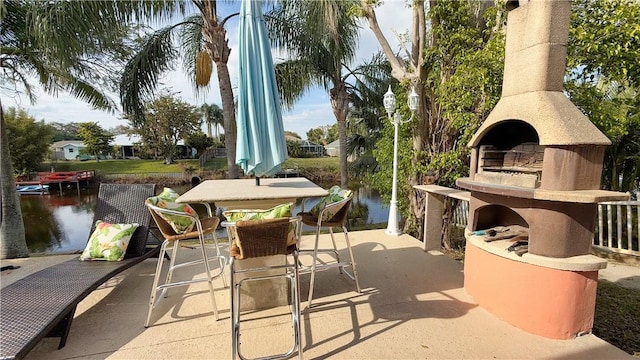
point(573, 263)
point(573, 196)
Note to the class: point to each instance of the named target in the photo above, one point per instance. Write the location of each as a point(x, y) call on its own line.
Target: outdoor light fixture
point(390, 105)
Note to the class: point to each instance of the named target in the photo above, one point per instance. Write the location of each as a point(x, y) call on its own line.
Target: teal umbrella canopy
point(261, 146)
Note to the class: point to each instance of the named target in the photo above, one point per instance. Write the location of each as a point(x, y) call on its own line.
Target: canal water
point(60, 223)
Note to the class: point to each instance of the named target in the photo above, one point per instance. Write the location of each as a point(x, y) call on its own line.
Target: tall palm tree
point(202, 39)
point(213, 116)
point(321, 38)
point(69, 46)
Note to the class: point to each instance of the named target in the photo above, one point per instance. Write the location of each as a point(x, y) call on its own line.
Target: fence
point(461, 213)
point(619, 233)
point(621, 230)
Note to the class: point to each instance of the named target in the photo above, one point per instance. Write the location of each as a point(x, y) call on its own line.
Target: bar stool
point(331, 212)
point(199, 230)
point(259, 238)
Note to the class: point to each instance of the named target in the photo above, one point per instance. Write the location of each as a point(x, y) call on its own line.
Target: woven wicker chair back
point(264, 237)
point(165, 228)
point(341, 216)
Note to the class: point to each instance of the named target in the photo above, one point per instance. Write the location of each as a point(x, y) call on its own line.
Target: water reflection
point(58, 223)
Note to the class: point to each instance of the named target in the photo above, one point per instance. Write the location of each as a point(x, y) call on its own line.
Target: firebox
point(534, 180)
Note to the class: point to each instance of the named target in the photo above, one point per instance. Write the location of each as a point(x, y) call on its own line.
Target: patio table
point(245, 194)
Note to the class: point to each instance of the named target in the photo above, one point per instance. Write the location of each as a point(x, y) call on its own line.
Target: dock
point(60, 179)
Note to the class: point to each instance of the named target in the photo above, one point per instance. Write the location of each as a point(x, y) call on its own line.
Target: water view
point(60, 223)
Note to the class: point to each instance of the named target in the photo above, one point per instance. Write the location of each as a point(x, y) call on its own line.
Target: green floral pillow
point(279, 211)
point(336, 193)
point(108, 241)
point(167, 200)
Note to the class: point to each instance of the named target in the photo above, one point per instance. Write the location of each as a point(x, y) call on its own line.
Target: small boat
point(33, 189)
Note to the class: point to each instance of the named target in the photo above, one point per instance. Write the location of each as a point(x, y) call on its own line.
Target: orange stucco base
point(552, 303)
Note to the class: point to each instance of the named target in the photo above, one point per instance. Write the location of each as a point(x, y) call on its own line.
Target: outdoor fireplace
point(535, 183)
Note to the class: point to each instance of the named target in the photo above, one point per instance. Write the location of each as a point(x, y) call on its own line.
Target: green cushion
point(108, 241)
point(276, 212)
point(336, 193)
point(167, 200)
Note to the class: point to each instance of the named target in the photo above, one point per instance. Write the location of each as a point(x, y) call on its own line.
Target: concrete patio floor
point(413, 305)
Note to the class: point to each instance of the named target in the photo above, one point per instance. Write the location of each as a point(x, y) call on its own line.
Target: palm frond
point(141, 74)
point(61, 43)
point(294, 78)
point(191, 44)
point(90, 94)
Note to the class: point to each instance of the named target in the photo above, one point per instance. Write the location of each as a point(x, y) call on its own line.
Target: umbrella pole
point(257, 181)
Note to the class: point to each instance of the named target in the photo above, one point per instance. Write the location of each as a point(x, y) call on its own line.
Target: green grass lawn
point(109, 167)
point(325, 163)
point(617, 316)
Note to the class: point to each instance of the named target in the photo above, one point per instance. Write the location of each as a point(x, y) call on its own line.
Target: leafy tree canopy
point(199, 140)
point(95, 139)
point(120, 130)
point(323, 135)
point(29, 139)
point(292, 134)
point(68, 131)
point(603, 80)
point(167, 120)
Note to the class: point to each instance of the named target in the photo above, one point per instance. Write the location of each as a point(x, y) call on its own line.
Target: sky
point(312, 111)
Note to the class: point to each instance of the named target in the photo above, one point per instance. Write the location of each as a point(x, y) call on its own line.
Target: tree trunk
point(13, 243)
point(342, 135)
point(217, 45)
point(340, 105)
point(228, 108)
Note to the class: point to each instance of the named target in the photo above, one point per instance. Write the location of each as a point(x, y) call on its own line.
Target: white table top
point(235, 193)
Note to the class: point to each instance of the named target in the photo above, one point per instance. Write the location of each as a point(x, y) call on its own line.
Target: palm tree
point(69, 46)
point(202, 39)
point(322, 39)
point(212, 115)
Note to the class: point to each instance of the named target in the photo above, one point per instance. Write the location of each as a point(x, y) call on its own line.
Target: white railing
point(617, 229)
point(461, 214)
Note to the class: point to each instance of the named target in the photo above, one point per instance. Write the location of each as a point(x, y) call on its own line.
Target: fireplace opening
point(510, 154)
point(508, 134)
point(494, 215)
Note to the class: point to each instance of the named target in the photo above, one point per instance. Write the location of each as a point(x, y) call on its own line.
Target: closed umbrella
point(261, 145)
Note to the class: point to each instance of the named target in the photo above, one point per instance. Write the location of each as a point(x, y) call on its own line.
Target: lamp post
point(390, 105)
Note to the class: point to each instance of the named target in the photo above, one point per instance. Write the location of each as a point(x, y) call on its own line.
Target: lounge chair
point(43, 303)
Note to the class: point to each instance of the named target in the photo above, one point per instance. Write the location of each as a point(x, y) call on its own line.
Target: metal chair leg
point(207, 268)
point(313, 268)
point(202, 228)
point(221, 259)
point(234, 313)
point(335, 249)
point(172, 264)
point(351, 258)
point(296, 303)
point(294, 288)
point(156, 279)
